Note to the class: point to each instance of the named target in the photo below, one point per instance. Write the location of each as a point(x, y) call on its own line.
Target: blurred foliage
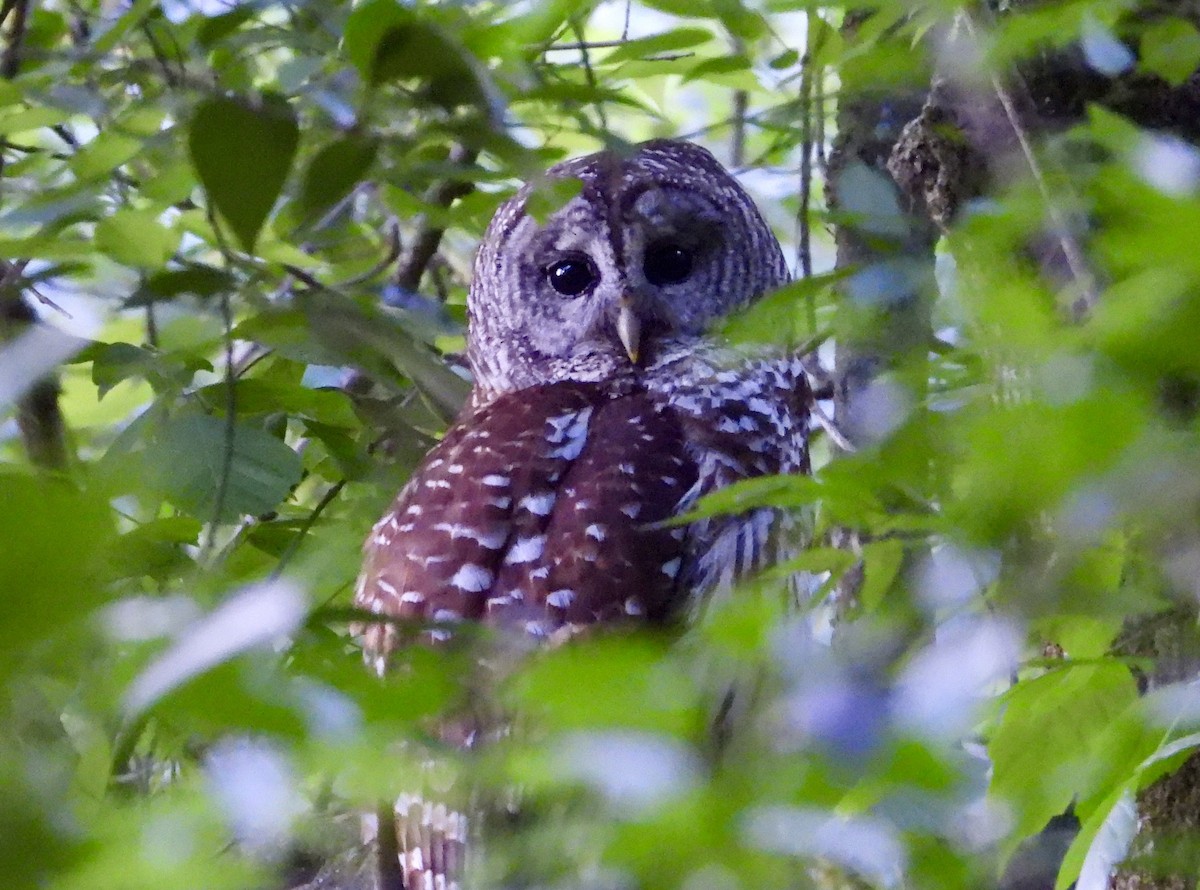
point(213, 197)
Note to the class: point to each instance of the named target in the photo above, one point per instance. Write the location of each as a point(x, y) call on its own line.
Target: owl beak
point(629, 329)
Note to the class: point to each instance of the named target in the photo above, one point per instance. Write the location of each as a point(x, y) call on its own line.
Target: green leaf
point(739, 20)
point(335, 171)
point(195, 279)
point(572, 687)
point(1171, 49)
point(243, 152)
point(366, 27)
point(1044, 743)
point(136, 238)
point(329, 406)
point(28, 119)
point(785, 59)
point(218, 27)
point(717, 70)
point(188, 457)
point(669, 41)
point(882, 561)
point(55, 539)
point(782, 315)
point(1024, 458)
point(760, 491)
point(114, 362)
point(104, 154)
point(126, 22)
point(386, 41)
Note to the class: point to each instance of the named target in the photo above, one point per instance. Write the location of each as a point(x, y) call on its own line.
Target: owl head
point(656, 245)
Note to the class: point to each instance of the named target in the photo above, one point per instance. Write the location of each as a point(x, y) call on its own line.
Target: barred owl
point(603, 405)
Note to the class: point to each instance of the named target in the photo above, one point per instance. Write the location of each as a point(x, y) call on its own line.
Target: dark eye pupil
point(667, 264)
point(572, 277)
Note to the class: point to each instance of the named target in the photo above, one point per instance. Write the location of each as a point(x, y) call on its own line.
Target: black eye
point(573, 276)
point(666, 264)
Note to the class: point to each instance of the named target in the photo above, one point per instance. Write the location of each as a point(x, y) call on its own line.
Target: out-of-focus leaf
point(197, 280)
point(1025, 458)
point(1171, 48)
point(217, 27)
point(136, 238)
point(243, 153)
point(718, 70)
point(782, 315)
point(764, 491)
point(252, 618)
point(55, 538)
point(104, 154)
point(1104, 837)
point(24, 120)
point(366, 28)
point(572, 688)
point(669, 41)
point(785, 59)
point(188, 458)
point(155, 548)
point(334, 172)
point(740, 21)
point(882, 561)
point(387, 41)
point(1048, 729)
point(113, 363)
point(128, 19)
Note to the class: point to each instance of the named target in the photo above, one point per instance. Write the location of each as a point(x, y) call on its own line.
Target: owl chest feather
point(548, 507)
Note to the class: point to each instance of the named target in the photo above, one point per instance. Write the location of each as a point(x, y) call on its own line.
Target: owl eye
point(572, 276)
point(666, 264)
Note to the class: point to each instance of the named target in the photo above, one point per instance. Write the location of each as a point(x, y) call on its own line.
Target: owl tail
point(431, 840)
point(421, 845)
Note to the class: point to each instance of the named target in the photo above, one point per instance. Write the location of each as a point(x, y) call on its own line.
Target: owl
point(604, 406)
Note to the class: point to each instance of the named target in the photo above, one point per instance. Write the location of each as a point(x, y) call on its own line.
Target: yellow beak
point(629, 329)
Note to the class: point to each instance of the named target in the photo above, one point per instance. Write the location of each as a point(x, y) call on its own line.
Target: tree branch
point(429, 234)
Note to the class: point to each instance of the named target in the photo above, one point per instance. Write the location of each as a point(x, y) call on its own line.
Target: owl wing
point(540, 510)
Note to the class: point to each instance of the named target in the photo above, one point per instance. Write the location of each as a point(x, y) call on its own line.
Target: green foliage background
point(215, 200)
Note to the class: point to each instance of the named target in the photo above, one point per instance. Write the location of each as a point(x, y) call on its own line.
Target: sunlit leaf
point(1050, 724)
point(136, 238)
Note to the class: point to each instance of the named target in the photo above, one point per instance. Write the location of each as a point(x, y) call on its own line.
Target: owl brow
point(605, 185)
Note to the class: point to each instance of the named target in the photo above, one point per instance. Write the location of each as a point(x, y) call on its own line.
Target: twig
point(828, 424)
point(11, 62)
point(429, 233)
point(393, 253)
point(311, 520)
point(230, 420)
point(804, 235)
point(169, 75)
point(582, 45)
point(588, 73)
